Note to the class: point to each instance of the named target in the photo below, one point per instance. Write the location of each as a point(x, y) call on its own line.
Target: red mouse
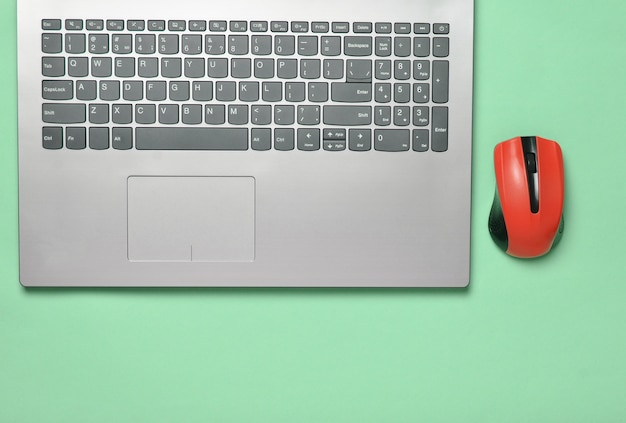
point(526, 218)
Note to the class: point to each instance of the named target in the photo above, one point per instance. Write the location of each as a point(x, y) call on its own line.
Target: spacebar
point(191, 138)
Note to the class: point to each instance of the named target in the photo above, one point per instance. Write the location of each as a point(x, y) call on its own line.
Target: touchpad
point(191, 218)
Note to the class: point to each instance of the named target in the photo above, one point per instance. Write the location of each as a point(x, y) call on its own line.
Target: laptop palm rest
point(199, 219)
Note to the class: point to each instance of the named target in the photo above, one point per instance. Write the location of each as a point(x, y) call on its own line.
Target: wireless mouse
point(526, 218)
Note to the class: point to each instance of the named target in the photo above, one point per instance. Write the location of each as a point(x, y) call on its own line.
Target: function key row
point(243, 26)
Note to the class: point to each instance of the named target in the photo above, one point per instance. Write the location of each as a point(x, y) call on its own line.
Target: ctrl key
point(52, 137)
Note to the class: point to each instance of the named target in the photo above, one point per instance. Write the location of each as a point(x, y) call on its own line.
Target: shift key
point(63, 113)
point(347, 115)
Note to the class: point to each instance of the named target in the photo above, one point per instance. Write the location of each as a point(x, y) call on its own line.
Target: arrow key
point(338, 145)
point(308, 139)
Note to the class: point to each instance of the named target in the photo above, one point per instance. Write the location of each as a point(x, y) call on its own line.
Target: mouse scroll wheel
point(531, 163)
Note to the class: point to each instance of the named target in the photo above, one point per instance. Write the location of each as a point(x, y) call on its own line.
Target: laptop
point(245, 143)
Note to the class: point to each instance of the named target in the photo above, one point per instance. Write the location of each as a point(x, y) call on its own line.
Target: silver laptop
point(245, 143)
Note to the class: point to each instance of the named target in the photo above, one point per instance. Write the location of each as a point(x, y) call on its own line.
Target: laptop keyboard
point(239, 85)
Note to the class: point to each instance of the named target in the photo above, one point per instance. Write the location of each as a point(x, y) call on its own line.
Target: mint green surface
point(528, 341)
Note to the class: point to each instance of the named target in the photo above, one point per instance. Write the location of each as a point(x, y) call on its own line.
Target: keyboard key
point(218, 68)
point(217, 26)
point(308, 139)
point(402, 46)
point(197, 25)
point(284, 139)
point(421, 28)
point(122, 138)
point(421, 93)
point(334, 134)
point(362, 27)
point(420, 116)
point(441, 28)
point(331, 46)
point(115, 25)
point(402, 115)
point(136, 25)
point(320, 27)
point(392, 139)
point(341, 27)
point(98, 138)
point(168, 114)
point(360, 139)
point(156, 25)
point(402, 28)
point(191, 138)
point(421, 46)
point(272, 91)
point(86, 90)
point(420, 140)
point(261, 139)
point(258, 26)
point(261, 45)
point(347, 115)
point(261, 115)
point(145, 43)
point(52, 137)
point(336, 145)
point(310, 68)
point(122, 43)
point(99, 113)
point(440, 129)
point(78, 66)
point(441, 46)
point(57, 90)
point(51, 43)
point(63, 113)
point(238, 26)
point(421, 70)
point(279, 26)
point(383, 28)
point(299, 26)
point(73, 24)
point(238, 44)
point(440, 81)
point(351, 92)
point(168, 43)
point(74, 43)
point(287, 68)
point(122, 114)
point(125, 67)
point(308, 115)
point(215, 44)
point(177, 25)
point(383, 46)
point(238, 114)
point(192, 44)
point(95, 24)
point(357, 46)
point(284, 115)
point(52, 66)
point(50, 24)
point(307, 45)
point(264, 68)
point(359, 70)
point(382, 115)
point(214, 114)
point(284, 45)
point(98, 43)
point(75, 138)
point(202, 90)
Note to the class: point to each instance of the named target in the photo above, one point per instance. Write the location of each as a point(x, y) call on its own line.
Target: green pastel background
point(540, 341)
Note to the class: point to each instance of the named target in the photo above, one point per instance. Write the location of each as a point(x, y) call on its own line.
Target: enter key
point(351, 92)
